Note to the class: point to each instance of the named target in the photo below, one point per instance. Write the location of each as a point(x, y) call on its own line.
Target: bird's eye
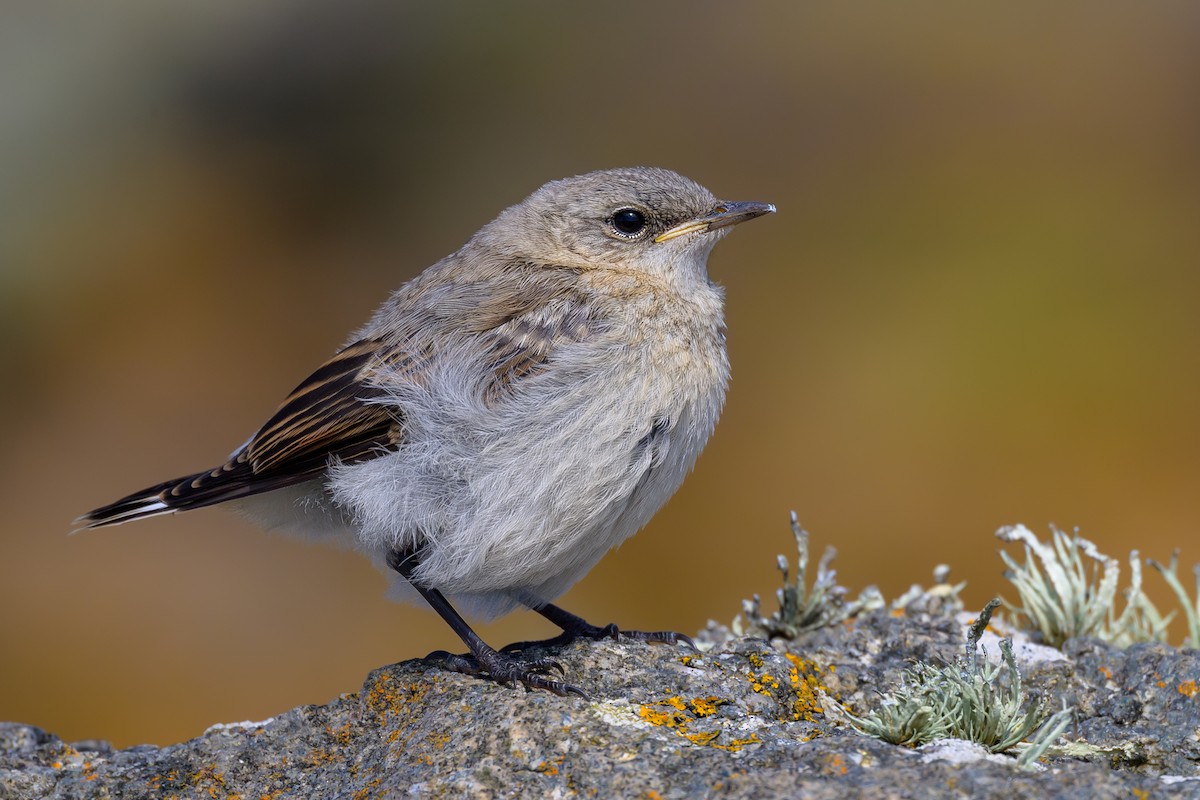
point(628, 221)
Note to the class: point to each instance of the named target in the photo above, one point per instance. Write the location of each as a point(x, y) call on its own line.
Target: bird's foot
point(574, 627)
point(586, 630)
point(510, 670)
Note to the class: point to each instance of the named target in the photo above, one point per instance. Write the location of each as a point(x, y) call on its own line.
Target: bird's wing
point(335, 413)
point(330, 415)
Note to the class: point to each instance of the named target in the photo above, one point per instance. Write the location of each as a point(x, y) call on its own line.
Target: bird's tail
point(149, 502)
point(231, 481)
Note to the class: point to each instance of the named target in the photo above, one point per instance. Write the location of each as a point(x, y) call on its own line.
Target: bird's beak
point(724, 215)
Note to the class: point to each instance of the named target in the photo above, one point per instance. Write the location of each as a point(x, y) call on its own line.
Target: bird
point(506, 417)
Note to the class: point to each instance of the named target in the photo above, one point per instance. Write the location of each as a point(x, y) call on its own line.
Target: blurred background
point(977, 304)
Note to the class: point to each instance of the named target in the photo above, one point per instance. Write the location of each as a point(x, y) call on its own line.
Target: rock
point(746, 718)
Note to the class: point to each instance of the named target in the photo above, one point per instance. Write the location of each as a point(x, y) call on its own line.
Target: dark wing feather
point(327, 415)
point(331, 414)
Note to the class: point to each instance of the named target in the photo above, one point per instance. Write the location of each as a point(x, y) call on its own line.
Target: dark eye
point(629, 221)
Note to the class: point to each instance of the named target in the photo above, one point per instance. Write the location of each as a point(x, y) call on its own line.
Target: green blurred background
point(976, 306)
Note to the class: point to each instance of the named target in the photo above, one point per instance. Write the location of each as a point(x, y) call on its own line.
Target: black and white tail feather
point(328, 417)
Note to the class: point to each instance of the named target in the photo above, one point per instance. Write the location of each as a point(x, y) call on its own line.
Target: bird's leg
point(500, 667)
point(574, 627)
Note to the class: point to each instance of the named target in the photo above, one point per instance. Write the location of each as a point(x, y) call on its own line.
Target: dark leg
point(574, 627)
point(500, 667)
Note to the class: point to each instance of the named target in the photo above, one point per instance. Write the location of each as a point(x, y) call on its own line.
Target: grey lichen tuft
point(1191, 608)
point(802, 608)
point(1069, 588)
point(970, 699)
point(942, 598)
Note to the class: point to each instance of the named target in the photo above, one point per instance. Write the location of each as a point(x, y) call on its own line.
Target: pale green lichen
point(803, 608)
point(970, 699)
point(1068, 588)
point(1191, 608)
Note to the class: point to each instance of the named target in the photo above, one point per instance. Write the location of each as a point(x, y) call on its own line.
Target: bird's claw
point(505, 669)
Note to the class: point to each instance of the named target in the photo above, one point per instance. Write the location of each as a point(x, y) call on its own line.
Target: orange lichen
point(211, 781)
point(392, 704)
point(365, 792)
point(342, 735)
point(835, 765)
point(1187, 689)
point(320, 756)
point(1106, 672)
point(386, 697)
point(550, 767)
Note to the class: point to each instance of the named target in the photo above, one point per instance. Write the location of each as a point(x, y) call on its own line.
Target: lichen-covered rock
point(744, 719)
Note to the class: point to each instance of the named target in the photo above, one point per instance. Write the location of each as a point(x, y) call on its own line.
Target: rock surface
point(744, 719)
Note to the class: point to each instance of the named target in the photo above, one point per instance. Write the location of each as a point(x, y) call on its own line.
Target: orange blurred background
point(976, 306)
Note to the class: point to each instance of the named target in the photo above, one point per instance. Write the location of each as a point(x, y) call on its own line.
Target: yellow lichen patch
point(657, 717)
point(705, 706)
point(702, 738)
point(1187, 689)
point(897, 612)
point(674, 713)
point(439, 740)
point(1141, 794)
point(805, 678)
point(738, 744)
point(675, 702)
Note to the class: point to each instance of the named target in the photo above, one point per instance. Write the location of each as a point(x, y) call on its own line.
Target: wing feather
point(335, 413)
